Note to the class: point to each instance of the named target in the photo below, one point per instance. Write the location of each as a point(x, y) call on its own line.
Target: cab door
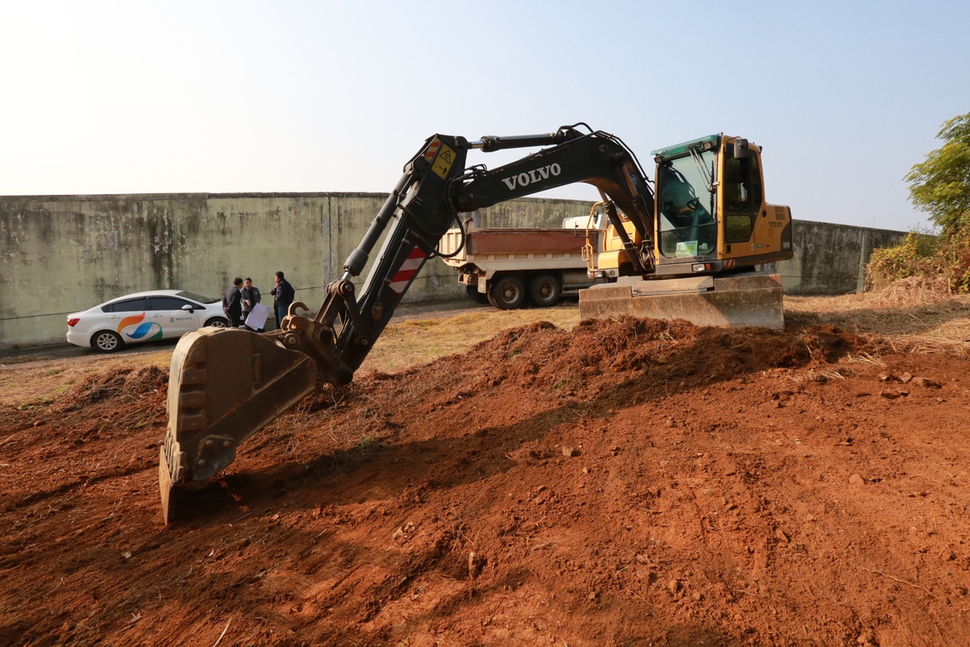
point(754, 231)
point(742, 200)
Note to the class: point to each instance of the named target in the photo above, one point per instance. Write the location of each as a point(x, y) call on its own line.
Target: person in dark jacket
point(232, 303)
point(250, 297)
point(283, 295)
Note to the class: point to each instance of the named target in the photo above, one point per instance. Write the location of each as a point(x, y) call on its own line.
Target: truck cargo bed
point(506, 243)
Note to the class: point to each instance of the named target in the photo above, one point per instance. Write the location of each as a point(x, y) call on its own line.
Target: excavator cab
point(713, 229)
point(711, 211)
point(710, 215)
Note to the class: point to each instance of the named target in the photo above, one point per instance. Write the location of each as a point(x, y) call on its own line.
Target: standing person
point(250, 297)
point(232, 303)
point(283, 295)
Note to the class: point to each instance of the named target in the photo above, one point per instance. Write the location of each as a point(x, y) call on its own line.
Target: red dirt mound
point(628, 483)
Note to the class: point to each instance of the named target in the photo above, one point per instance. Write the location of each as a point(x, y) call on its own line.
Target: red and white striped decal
point(408, 269)
point(432, 149)
point(729, 263)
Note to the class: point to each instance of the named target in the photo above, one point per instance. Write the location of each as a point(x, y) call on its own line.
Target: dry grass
point(413, 342)
point(40, 379)
point(913, 315)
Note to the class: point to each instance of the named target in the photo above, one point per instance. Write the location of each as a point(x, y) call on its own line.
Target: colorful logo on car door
point(142, 328)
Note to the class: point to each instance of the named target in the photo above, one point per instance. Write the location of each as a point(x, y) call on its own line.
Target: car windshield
point(201, 298)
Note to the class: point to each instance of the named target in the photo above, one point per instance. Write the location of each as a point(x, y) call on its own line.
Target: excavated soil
point(627, 483)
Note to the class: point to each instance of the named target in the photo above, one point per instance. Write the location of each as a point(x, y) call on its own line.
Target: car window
point(131, 305)
point(169, 303)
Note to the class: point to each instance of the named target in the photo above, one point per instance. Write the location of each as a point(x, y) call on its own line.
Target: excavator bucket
point(753, 299)
point(224, 386)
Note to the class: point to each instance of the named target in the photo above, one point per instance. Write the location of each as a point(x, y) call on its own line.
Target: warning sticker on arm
point(443, 161)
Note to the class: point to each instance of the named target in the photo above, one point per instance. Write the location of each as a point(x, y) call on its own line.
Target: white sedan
point(143, 316)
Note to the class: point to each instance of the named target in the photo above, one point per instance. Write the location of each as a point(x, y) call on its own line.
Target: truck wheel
point(475, 295)
point(507, 293)
point(545, 290)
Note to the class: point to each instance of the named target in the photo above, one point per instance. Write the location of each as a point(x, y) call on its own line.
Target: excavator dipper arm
point(225, 385)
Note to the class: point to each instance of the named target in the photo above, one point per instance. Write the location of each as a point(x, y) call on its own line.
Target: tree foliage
point(940, 185)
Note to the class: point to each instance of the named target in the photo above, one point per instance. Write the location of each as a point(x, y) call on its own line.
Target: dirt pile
point(628, 483)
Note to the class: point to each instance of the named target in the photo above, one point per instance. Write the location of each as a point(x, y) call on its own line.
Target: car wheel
point(507, 293)
point(217, 322)
point(107, 341)
point(545, 290)
point(475, 295)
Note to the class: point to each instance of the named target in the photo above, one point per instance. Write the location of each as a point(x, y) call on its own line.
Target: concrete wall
point(831, 259)
point(60, 254)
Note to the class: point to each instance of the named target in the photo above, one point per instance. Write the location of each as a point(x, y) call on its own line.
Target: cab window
point(687, 221)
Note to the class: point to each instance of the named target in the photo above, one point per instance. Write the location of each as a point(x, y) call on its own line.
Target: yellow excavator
point(707, 224)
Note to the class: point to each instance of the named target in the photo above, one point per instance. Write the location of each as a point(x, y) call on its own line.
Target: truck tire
point(475, 295)
point(507, 293)
point(545, 290)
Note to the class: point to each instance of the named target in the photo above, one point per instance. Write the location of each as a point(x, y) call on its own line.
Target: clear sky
point(280, 96)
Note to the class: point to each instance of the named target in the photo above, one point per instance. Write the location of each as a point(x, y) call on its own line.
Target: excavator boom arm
point(225, 385)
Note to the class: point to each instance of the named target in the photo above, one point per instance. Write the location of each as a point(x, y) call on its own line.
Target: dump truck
point(707, 218)
point(513, 267)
